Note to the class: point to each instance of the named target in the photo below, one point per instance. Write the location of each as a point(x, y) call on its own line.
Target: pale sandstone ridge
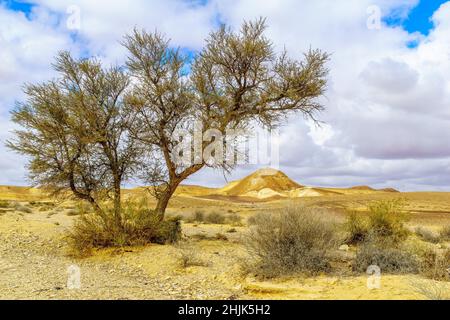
point(264, 183)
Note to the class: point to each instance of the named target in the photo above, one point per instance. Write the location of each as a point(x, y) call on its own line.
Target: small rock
point(344, 247)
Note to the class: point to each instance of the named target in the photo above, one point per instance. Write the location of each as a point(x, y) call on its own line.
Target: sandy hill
point(264, 183)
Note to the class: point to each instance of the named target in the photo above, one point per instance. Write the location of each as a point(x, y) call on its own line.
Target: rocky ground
point(34, 265)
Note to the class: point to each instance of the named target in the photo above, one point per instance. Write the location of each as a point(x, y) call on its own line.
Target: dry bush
point(215, 218)
point(4, 204)
point(139, 226)
point(390, 259)
point(22, 208)
point(385, 222)
point(221, 237)
point(445, 233)
point(297, 239)
point(356, 227)
point(427, 235)
point(72, 213)
point(234, 219)
point(190, 258)
point(435, 265)
point(251, 221)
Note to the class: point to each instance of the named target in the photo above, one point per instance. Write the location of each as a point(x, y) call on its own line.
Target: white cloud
point(388, 106)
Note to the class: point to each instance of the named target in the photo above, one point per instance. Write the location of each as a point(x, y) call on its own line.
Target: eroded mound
point(262, 183)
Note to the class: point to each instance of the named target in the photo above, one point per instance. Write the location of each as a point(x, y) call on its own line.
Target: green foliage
point(357, 228)
point(384, 222)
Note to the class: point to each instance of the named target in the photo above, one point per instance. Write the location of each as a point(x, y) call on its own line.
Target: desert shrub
point(427, 235)
point(357, 228)
point(72, 212)
point(52, 213)
point(139, 226)
point(221, 237)
point(22, 208)
point(4, 204)
point(435, 265)
point(234, 219)
point(445, 233)
point(190, 258)
point(298, 239)
point(215, 218)
point(199, 216)
point(386, 220)
point(251, 221)
point(389, 259)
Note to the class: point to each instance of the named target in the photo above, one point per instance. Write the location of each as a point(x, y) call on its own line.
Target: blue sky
point(419, 18)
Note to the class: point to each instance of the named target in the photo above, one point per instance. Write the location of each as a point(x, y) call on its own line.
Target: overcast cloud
point(388, 101)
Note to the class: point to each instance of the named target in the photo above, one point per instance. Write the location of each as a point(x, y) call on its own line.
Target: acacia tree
point(75, 133)
point(236, 81)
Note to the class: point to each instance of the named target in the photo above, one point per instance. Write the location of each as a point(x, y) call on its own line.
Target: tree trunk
point(164, 199)
point(117, 205)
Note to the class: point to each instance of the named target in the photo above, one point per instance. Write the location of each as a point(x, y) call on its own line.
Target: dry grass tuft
point(427, 235)
point(445, 233)
point(190, 258)
point(298, 239)
point(139, 226)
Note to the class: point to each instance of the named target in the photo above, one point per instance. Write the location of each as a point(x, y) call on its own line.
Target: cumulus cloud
point(388, 103)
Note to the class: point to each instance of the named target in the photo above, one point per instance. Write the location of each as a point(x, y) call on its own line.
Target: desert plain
point(34, 257)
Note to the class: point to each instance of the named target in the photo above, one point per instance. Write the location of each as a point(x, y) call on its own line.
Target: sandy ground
point(34, 259)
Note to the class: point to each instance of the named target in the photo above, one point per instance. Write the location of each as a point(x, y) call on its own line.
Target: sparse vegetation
point(199, 216)
point(23, 209)
point(432, 290)
point(389, 259)
point(384, 222)
point(435, 265)
point(427, 235)
point(72, 212)
point(298, 239)
point(190, 258)
point(139, 227)
point(357, 228)
point(4, 204)
point(215, 218)
point(221, 237)
point(445, 233)
point(234, 219)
